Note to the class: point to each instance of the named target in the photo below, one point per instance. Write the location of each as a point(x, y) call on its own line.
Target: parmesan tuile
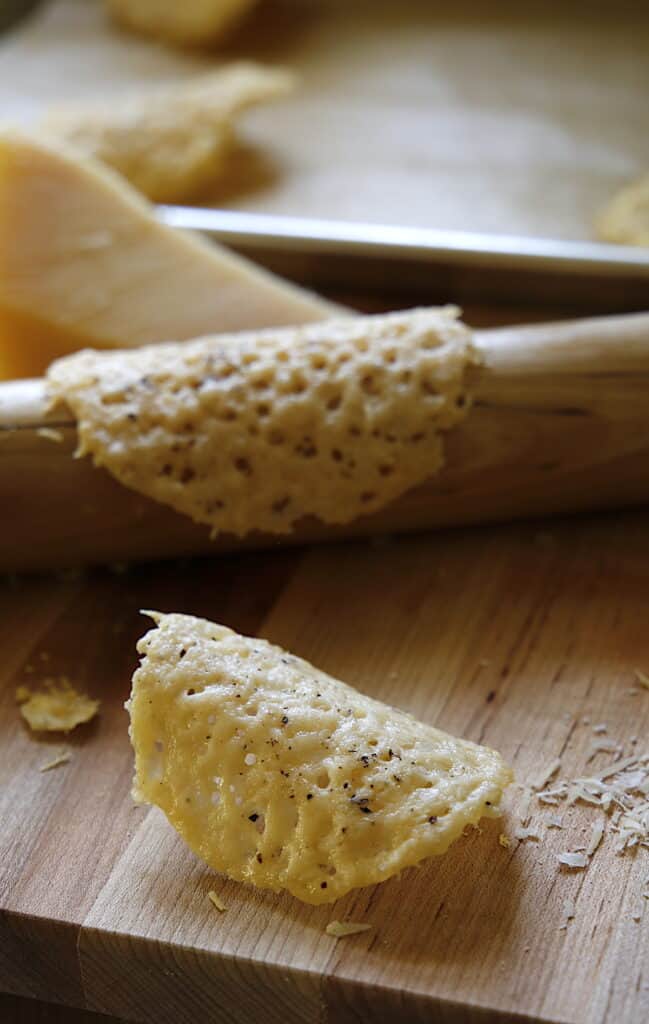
point(259, 430)
point(341, 791)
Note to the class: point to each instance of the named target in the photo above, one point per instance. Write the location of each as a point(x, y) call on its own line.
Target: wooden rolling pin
point(560, 422)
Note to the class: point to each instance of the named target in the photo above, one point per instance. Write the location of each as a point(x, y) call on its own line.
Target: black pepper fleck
point(252, 817)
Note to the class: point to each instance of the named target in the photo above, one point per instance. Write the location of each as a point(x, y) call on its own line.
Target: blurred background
point(508, 118)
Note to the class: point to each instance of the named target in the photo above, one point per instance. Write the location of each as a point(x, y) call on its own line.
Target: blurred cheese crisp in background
point(170, 143)
point(181, 22)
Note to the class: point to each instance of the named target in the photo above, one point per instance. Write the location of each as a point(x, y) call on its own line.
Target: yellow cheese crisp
point(170, 143)
point(184, 22)
point(279, 775)
point(60, 709)
point(255, 431)
point(625, 220)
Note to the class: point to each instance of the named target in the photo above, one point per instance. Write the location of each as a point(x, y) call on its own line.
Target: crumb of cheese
point(216, 901)
point(60, 709)
point(642, 678)
point(340, 929)
point(50, 434)
point(61, 757)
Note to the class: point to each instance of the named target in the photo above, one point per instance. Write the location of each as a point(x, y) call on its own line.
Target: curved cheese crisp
point(255, 431)
point(170, 143)
point(279, 775)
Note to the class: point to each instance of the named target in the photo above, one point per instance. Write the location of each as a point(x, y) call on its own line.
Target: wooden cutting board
point(514, 636)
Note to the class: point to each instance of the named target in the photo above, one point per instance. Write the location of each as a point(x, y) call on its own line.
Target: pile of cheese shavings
point(621, 791)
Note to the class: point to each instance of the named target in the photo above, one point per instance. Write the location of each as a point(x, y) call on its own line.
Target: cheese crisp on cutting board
point(277, 774)
point(255, 431)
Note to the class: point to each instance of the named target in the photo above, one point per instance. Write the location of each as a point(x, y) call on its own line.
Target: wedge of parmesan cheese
point(170, 143)
point(188, 22)
point(84, 263)
point(279, 775)
point(258, 430)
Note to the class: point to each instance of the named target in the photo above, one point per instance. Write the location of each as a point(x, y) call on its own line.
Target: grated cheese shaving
point(340, 929)
point(216, 901)
point(526, 833)
point(504, 840)
point(573, 860)
point(567, 914)
point(620, 791)
point(524, 812)
point(602, 747)
point(596, 835)
point(602, 727)
point(546, 775)
point(61, 757)
point(50, 434)
point(642, 678)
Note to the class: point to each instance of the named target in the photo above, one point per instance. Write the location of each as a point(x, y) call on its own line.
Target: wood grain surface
point(509, 635)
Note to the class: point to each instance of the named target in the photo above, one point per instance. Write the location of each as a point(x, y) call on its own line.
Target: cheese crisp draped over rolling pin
point(279, 775)
point(255, 431)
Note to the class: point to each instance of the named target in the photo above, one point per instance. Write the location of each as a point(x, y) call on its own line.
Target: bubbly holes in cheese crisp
point(328, 415)
point(329, 813)
point(242, 465)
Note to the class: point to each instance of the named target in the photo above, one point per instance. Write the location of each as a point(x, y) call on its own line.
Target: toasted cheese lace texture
point(255, 431)
point(279, 775)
